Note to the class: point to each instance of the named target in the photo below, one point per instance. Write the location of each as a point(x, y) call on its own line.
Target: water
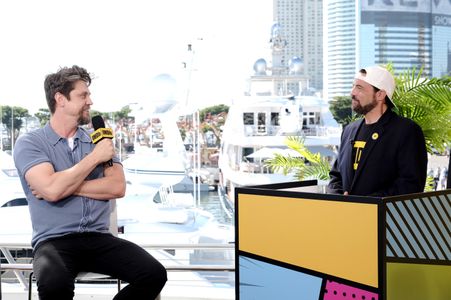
point(210, 202)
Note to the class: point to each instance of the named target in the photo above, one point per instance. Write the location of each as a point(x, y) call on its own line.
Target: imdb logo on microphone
point(101, 133)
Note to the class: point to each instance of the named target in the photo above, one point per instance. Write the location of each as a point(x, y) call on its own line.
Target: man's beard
point(82, 119)
point(363, 110)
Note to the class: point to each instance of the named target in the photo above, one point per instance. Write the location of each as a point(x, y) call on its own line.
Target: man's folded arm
point(54, 186)
point(111, 186)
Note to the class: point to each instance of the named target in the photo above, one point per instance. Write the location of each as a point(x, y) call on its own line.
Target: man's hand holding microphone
point(102, 137)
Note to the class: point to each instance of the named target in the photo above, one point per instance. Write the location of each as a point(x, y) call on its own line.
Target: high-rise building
point(301, 22)
point(340, 47)
point(406, 33)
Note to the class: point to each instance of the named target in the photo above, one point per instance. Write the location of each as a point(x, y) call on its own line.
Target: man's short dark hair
point(63, 82)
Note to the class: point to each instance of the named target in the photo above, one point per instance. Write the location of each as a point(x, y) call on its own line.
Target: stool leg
point(30, 286)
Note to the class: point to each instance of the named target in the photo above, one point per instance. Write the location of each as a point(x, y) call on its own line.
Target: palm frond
point(284, 164)
point(428, 103)
point(315, 171)
point(430, 184)
point(308, 166)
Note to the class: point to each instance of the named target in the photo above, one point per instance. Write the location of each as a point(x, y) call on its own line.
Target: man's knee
point(157, 276)
point(163, 277)
point(154, 279)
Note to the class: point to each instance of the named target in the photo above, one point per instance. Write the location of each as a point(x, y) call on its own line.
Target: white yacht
point(8, 170)
point(278, 103)
point(154, 167)
point(257, 128)
point(160, 157)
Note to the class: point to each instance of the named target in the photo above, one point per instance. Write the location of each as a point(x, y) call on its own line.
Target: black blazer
point(394, 163)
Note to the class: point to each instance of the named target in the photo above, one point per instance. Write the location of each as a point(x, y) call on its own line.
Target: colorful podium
point(294, 242)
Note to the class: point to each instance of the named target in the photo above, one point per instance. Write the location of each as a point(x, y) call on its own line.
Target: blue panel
point(391, 241)
point(263, 281)
point(425, 229)
point(402, 242)
point(416, 230)
point(428, 212)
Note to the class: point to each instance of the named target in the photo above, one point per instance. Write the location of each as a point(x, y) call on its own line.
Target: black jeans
point(57, 262)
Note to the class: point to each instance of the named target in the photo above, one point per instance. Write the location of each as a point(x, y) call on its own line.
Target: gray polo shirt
point(73, 214)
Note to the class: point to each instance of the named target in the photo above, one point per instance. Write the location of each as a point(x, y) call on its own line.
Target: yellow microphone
point(100, 132)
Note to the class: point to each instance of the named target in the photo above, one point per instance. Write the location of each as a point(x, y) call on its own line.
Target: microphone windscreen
point(97, 122)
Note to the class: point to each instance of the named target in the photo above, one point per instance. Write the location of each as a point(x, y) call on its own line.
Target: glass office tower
point(340, 47)
point(406, 33)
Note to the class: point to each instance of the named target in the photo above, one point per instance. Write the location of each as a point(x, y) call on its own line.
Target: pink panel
point(337, 291)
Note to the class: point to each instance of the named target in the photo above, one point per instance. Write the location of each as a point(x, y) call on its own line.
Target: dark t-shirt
point(358, 145)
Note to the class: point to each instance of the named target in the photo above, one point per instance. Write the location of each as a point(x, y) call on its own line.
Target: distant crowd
point(440, 176)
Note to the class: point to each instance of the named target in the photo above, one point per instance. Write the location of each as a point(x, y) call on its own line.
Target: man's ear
point(60, 99)
point(381, 94)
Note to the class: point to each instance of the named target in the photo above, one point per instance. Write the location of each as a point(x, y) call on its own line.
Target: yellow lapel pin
point(375, 136)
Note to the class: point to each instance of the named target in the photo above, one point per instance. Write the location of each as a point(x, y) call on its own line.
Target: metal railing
point(214, 257)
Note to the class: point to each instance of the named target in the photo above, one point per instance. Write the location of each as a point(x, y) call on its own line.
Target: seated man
point(68, 185)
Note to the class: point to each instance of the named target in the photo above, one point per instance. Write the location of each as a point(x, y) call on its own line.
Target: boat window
point(261, 122)
point(311, 118)
point(248, 118)
point(275, 119)
point(11, 172)
point(247, 151)
point(16, 202)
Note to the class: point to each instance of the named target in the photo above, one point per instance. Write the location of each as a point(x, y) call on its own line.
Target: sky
point(127, 44)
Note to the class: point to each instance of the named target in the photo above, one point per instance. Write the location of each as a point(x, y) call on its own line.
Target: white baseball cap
point(380, 78)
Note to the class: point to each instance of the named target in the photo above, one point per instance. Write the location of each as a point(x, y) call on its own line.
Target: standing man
point(68, 185)
point(382, 154)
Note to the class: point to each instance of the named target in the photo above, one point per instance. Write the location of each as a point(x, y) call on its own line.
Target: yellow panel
point(333, 237)
point(418, 282)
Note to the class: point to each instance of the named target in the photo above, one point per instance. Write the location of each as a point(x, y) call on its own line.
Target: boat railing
point(320, 131)
point(258, 167)
point(214, 261)
point(259, 130)
point(314, 131)
point(334, 130)
point(270, 130)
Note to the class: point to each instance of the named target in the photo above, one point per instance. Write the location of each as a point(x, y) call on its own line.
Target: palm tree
point(426, 101)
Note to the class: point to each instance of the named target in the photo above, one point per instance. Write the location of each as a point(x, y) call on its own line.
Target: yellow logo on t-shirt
point(359, 146)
